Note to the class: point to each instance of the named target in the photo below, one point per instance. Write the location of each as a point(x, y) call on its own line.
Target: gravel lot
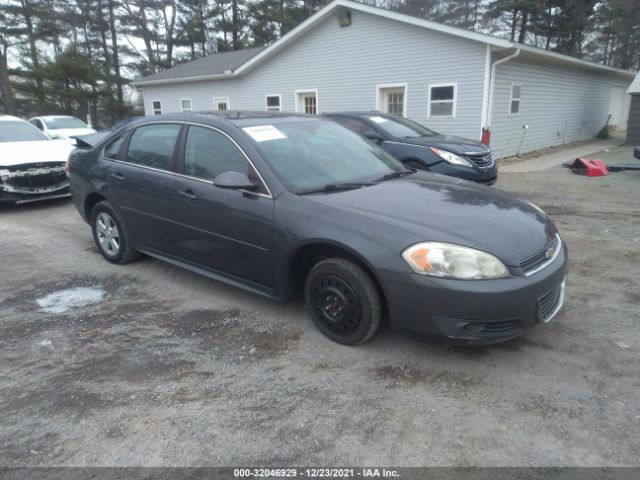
point(148, 364)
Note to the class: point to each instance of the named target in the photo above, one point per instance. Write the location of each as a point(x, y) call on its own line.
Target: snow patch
point(70, 298)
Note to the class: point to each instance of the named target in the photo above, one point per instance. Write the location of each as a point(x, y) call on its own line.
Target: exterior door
point(227, 231)
point(142, 185)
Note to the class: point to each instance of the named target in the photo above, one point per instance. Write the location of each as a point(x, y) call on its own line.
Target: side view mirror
point(636, 152)
point(53, 134)
point(233, 180)
point(374, 137)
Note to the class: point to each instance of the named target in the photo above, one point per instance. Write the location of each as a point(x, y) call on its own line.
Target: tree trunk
point(523, 27)
point(33, 53)
point(116, 58)
point(234, 25)
point(5, 85)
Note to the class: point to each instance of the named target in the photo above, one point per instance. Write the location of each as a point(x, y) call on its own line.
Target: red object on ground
point(595, 168)
point(486, 136)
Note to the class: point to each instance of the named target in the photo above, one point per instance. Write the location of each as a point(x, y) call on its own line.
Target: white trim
point(190, 105)
point(221, 99)
point(407, 19)
point(485, 89)
point(153, 109)
point(454, 100)
point(266, 105)
point(511, 99)
point(384, 86)
point(302, 92)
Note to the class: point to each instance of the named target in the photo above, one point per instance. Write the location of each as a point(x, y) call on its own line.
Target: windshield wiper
point(337, 187)
point(392, 175)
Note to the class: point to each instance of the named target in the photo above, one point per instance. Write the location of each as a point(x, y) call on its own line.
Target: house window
point(392, 99)
point(273, 103)
point(442, 100)
point(185, 104)
point(307, 101)
point(156, 105)
point(514, 103)
point(221, 103)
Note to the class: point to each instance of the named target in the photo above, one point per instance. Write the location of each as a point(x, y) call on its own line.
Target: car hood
point(457, 145)
point(431, 207)
point(72, 132)
point(39, 151)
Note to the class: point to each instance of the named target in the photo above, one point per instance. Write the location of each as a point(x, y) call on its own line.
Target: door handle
point(188, 194)
point(117, 176)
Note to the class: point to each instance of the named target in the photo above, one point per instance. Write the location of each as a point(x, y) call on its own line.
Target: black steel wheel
point(343, 301)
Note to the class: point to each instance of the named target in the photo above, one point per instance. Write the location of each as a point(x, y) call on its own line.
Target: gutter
point(492, 86)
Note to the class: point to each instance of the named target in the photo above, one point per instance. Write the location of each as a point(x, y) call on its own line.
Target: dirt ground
point(151, 365)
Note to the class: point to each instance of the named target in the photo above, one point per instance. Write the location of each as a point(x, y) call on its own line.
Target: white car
point(62, 127)
point(32, 166)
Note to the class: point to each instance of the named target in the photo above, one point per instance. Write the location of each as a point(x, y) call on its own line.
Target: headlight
point(451, 158)
point(453, 261)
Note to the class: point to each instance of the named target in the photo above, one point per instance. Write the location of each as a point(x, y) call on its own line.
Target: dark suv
point(418, 147)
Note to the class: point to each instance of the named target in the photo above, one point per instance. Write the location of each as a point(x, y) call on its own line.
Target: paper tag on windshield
point(378, 119)
point(264, 133)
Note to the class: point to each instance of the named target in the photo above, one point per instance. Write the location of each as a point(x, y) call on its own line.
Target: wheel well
point(311, 254)
point(415, 160)
point(90, 202)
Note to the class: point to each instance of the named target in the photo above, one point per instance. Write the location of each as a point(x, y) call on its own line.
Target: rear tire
point(110, 236)
point(343, 301)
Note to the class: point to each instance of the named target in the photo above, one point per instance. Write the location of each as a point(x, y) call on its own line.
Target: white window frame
point(299, 93)
point(190, 109)
point(512, 99)
point(384, 86)
point(221, 99)
point(266, 104)
point(153, 108)
point(454, 101)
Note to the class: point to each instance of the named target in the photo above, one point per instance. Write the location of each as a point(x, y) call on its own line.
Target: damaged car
point(32, 166)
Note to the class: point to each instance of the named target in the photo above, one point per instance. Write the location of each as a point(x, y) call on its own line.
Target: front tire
point(109, 235)
point(343, 301)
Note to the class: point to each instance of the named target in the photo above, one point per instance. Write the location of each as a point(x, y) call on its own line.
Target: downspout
point(486, 131)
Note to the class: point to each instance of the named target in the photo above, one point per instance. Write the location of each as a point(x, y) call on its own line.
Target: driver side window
point(209, 153)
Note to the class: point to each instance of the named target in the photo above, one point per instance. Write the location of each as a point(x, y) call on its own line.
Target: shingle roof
point(218, 63)
point(635, 85)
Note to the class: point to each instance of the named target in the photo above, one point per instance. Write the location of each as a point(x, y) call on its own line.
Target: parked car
point(32, 166)
point(420, 147)
point(62, 127)
point(286, 205)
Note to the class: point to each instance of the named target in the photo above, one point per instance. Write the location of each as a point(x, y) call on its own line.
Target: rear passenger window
point(209, 153)
point(153, 145)
point(113, 149)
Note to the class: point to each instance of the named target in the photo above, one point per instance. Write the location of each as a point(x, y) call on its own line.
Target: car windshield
point(401, 127)
point(312, 154)
point(17, 131)
point(64, 122)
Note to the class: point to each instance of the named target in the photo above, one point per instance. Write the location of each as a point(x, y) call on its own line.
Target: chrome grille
point(538, 261)
point(483, 160)
point(549, 304)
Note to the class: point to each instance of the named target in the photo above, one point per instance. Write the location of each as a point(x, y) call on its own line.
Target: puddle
point(70, 298)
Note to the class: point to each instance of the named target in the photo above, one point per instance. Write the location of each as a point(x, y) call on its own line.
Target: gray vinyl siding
point(633, 128)
point(345, 65)
point(559, 104)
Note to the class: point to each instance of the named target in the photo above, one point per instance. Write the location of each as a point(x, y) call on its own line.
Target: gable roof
point(251, 60)
point(216, 64)
point(635, 85)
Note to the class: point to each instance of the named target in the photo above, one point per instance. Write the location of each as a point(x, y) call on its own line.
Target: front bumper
point(480, 311)
point(33, 183)
point(487, 176)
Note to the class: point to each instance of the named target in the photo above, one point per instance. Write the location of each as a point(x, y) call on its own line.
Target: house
point(633, 128)
point(350, 56)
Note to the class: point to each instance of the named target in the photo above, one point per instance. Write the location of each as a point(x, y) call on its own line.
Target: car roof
point(51, 117)
point(232, 117)
point(9, 118)
point(358, 114)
